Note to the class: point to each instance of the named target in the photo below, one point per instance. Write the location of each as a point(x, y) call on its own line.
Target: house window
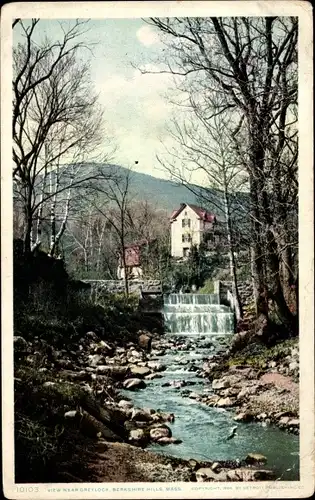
point(185, 252)
point(185, 222)
point(186, 237)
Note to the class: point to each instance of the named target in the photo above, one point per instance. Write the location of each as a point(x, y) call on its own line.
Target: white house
point(191, 225)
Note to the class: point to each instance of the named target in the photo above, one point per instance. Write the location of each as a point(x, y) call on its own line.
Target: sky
point(135, 105)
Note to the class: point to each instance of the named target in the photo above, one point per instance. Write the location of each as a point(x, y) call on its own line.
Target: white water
point(200, 314)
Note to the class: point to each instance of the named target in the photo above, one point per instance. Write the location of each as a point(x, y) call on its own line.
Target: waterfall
point(196, 313)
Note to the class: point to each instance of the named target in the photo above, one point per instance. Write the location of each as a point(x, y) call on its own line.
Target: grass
point(208, 287)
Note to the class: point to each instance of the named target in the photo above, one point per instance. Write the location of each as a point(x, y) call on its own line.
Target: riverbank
point(258, 383)
point(93, 433)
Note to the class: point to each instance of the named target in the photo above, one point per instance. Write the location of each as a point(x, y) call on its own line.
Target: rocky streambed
point(156, 416)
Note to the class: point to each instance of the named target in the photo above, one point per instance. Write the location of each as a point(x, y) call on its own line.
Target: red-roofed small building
point(133, 259)
point(191, 225)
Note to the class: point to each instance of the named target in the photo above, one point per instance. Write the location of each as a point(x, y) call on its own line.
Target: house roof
point(201, 212)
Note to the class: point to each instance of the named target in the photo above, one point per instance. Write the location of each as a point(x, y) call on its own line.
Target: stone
point(92, 336)
point(192, 463)
point(177, 383)
point(137, 435)
point(140, 415)
point(95, 359)
point(244, 474)
point(294, 365)
point(103, 347)
point(152, 376)
point(81, 375)
point(139, 371)
point(134, 383)
point(205, 474)
point(156, 367)
point(49, 384)
point(71, 414)
point(159, 432)
point(284, 421)
point(169, 440)
point(225, 402)
point(216, 467)
point(101, 446)
point(255, 458)
point(145, 342)
point(135, 354)
point(194, 395)
point(218, 384)
point(19, 343)
point(262, 416)
point(123, 403)
point(295, 422)
point(118, 372)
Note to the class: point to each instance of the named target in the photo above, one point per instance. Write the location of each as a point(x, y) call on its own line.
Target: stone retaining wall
point(118, 286)
point(245, 289)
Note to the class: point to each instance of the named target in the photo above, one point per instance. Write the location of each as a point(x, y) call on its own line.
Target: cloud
point(147, 36)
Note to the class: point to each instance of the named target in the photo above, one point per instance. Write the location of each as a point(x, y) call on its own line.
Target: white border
point(284, 489)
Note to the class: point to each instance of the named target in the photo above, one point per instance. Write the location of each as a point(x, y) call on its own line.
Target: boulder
point(243, 416)
point(133, 384)
point(194, 395)
point(216, 467)
point(284, 421)
point(244, 474)
point(255, 458)
point(140, 415)
point(156, 367)
point(169, 440)
point(293, 366)
point(138, 436)
point(145, 342)
point(209, 367)
point(157, 433)
point(71, 375)
point(20, 344)
point(117, 372)
point(295, 422)
point(95, 359)
point(123, 403)
point(92, 336)
point(205, 474)
point(225, 402)
point(218, 384)
point(139, 371)
point(92, 427)
point(71, 414)
point(247, 391)
point(103, 348)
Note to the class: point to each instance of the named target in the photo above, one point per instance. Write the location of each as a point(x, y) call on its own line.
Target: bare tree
point(206, 147)
point(57, 123)
point(251, 63)
point(112, 200)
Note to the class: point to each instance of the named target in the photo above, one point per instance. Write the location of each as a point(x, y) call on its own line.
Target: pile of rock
point(267, 397)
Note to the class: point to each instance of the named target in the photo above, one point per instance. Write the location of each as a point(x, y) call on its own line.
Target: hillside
point(164, 194)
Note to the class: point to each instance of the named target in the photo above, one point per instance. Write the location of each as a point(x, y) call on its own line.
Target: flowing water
point(198, 328)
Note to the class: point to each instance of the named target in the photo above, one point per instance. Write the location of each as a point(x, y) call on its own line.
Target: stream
point(200, 327)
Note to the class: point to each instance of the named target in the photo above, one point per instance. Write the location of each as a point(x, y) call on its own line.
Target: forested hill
point(164, 194)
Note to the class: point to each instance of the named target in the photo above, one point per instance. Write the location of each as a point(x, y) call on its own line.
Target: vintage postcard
point(157, 249)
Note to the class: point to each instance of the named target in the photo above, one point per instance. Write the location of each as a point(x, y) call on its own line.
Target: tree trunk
point(236, 296)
